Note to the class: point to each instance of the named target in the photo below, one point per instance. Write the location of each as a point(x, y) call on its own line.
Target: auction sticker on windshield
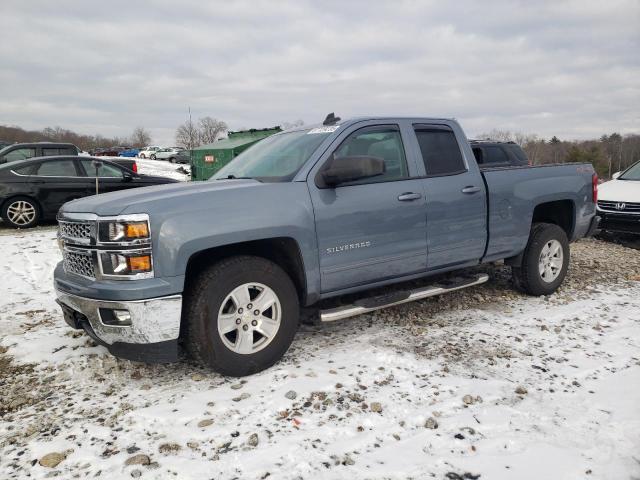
point(328, 129)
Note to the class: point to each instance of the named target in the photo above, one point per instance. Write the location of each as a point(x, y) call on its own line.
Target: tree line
point(608, 154)
point(140, 137)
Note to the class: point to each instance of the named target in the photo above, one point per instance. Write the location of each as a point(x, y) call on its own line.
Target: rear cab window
point(440, 150)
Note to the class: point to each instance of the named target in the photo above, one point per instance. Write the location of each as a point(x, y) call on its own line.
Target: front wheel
point(21, 212)
point(153, 157)
point(172, 160)
point(142, 156)
point(545, 260)
point(241, 315)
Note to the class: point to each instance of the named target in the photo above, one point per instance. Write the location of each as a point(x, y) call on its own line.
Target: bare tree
point(211, 129)
point(140, 137)
point(187, 135)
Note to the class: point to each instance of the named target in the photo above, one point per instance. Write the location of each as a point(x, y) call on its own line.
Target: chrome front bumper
point(152, 321)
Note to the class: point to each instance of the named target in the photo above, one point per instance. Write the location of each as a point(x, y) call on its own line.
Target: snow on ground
point(483, 382)
point(161, 168)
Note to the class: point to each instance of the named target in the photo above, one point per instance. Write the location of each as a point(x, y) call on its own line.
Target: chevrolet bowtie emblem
point(621, 206)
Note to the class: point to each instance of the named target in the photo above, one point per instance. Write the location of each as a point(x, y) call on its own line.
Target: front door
point(372, 229)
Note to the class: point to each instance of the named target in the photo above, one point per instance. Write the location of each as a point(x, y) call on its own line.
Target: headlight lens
point(125, 263)
point(123, 231)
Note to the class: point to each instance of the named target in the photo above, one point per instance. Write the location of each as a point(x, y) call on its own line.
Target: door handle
point(471, 189)
point(409, 196)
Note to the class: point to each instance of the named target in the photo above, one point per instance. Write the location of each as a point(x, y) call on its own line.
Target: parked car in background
point(490, 154)
point(24, 151)
point(147, 152)
point(130, 152)
point(619, 201)
point(110, 152)
point(166, 153)
point(34, 190)
point(183, 156)
point(4, 144)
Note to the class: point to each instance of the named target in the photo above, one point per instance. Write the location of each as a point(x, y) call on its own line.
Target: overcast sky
point(570, 69)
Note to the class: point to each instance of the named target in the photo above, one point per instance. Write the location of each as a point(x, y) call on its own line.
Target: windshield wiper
point(233, 177)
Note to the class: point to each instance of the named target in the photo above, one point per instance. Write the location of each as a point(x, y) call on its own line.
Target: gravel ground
point(479, 383)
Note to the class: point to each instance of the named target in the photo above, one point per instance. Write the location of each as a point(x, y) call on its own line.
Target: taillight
point(135, 167)
point(594, 183)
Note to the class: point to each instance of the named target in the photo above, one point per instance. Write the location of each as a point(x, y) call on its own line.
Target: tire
point(210, 309)
point(142, 156)
point(541, 253)
point(172, 160)
point(21, 212)
point(153, 157)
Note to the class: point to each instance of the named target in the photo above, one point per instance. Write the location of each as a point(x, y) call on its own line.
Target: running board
point(404, 296)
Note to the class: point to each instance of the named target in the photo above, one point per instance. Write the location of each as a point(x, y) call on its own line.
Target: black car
point(24, 151)
point(183, 156)
point(498, 154)
point(34, 190)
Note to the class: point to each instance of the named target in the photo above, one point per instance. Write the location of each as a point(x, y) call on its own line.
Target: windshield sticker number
point(329, 129)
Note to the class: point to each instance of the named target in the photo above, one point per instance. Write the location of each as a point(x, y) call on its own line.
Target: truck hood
point(156, 198)
point(620, 191)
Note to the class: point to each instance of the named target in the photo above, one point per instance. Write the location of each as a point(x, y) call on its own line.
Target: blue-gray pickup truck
point(228, 267)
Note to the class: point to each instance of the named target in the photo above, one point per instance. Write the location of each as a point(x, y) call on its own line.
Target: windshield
point(276, 158)
point(633, 173)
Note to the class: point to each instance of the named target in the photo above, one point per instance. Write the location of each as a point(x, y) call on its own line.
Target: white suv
point(149, 152)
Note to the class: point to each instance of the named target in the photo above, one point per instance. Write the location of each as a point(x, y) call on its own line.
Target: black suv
point(23, 151)
point(498, 154)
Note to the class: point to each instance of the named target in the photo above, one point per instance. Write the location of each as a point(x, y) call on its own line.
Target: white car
point(167, 153)
point(619, 201)
point(149, 152)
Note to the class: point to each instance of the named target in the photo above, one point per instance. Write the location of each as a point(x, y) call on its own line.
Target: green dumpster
point(208, 159)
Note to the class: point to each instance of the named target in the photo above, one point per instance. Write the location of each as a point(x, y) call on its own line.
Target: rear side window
point(440, 152)
point(20, 154)
point(47, 152)
point(57, 168)
point(495, 155)
point(517, 155)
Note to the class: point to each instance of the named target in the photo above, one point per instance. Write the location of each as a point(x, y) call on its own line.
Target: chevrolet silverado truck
point(228, 267)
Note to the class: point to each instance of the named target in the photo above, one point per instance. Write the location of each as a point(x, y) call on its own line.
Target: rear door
point(56, 182)
point(455, 195)
point(373, 229)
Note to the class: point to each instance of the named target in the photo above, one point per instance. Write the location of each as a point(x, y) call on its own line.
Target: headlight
point(121, 231)
point(123, 263)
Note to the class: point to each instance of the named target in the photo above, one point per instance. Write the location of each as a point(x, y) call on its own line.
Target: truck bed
point(512, 193)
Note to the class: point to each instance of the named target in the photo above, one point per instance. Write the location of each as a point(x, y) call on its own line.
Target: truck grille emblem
point(621, 206)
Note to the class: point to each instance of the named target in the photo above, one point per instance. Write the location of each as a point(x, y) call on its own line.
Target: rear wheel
point(241, 315)
point(545, 260)
point(21, 212)
point(172, 160)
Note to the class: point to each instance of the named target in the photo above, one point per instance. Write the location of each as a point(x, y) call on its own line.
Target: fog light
point(116, 318)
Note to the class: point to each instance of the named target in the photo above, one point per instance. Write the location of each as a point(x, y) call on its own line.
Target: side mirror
point(341, 170)
point(615, 175)
point(127, 177)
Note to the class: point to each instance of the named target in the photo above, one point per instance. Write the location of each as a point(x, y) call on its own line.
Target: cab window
point(440, 151)
point(383, 142)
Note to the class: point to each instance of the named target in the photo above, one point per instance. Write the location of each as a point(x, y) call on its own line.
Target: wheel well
point(283, 251)
point(560, 212)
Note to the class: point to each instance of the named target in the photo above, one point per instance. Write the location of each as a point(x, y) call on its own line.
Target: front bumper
point(619, 222)
point(151, 337)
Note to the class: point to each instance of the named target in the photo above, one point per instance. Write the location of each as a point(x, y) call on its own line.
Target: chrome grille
point(619, 207)
point(80, 231)
point(79, 263)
